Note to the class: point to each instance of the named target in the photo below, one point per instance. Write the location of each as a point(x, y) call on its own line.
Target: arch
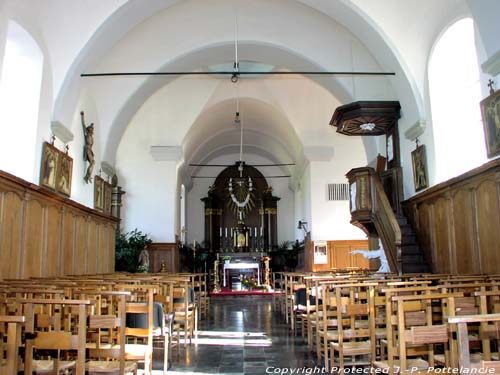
point(454, 91)
point(190, 61)
point(102, 41)
point(20, 92)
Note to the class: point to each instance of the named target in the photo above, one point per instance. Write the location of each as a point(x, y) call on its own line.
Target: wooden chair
point(328, 331)
point(357, 338)
point(412, 336)
point(9, 362)
point(464, 358)
point(184, 308)
point(61, 328)
point(106, 334)
point(145, 322)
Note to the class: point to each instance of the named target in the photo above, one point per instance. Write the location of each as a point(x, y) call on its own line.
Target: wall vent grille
point(338, 192)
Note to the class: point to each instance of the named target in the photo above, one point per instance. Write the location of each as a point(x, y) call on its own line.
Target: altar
point(240, 266)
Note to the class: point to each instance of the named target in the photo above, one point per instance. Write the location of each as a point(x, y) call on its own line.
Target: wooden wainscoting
point(45, 235)
point(339, 256)
point(458, 222)
point(164, 252)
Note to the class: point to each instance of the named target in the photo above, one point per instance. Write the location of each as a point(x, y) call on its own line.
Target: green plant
point(127, 249)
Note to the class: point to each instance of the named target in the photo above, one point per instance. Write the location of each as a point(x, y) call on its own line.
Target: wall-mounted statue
point(88, 153)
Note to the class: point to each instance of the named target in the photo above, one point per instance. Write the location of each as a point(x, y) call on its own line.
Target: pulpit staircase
point(412, 257)
point(373, 213)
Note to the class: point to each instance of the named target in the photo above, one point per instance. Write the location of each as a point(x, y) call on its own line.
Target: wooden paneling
point(462, 203)
point(53, 225)
point(68, 243)
point(442, 229)
point(488, 225)
point(166, 253)
point(458, 222)
point(340, 257)
point(92, 248)
point(32, 256)
point(44, 235)
point(11, 234)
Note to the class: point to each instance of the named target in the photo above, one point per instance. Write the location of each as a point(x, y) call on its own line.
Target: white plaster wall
point(331, 219)
point(150, 201)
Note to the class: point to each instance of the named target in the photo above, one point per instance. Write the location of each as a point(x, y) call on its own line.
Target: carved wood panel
point(488, 225)
point(458, 222)
point(464, 234)
point(340, 257)
point(442, 234)
point(53, 225)
point(44, 235)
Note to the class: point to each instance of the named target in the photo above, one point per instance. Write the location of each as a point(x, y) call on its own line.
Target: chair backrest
point(106, 338)
point(415, 324)
point(463, 339)
point(55, 331)
point(10, 326)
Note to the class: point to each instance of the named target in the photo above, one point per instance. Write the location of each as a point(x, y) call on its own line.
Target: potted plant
point(128, 246)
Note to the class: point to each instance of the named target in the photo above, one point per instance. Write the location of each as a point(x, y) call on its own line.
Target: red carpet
point(255, 292)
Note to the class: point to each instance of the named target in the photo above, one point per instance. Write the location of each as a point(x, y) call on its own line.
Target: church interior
point(221, 186)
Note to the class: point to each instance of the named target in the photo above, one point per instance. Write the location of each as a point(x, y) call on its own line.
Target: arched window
point(455, 94)
point(20, 85)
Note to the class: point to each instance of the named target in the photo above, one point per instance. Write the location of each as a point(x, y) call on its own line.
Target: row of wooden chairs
point(389, 321)
point(96, 324)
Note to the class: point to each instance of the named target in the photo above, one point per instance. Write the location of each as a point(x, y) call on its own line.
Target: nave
point(242, 335)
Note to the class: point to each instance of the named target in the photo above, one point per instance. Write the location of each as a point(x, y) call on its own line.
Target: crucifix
point(490, 85)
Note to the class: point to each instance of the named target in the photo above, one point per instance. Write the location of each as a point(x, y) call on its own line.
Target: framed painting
point(98, 193)
point(64, 174)
point(49, 163)
point(419, 163)
point(108, 189)
point(490, 110)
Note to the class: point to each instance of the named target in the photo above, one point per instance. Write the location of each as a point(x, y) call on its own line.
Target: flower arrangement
point(142, 268)
point(248, 282)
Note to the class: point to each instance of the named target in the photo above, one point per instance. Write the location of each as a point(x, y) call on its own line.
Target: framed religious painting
point(98, 193)
point(64, 173)
point(490, 110)
point(419, 163)
point(49, 163)
point(108, 190)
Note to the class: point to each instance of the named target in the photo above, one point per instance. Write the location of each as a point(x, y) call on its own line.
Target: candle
point(246, 239)
point(255, 231)
point(261, 231)
point(194, 244)
point(220, 232)
point(231, 231)
point(226, 232)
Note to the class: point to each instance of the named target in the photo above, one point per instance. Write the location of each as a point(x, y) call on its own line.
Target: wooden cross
point(490, 85)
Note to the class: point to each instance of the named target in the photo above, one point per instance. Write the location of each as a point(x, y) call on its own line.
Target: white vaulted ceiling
point(281, 115)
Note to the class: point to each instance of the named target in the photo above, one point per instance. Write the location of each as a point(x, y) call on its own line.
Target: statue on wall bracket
point(88, 153)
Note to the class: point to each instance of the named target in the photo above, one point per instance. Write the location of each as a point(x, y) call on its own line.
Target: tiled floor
point(242, 336)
